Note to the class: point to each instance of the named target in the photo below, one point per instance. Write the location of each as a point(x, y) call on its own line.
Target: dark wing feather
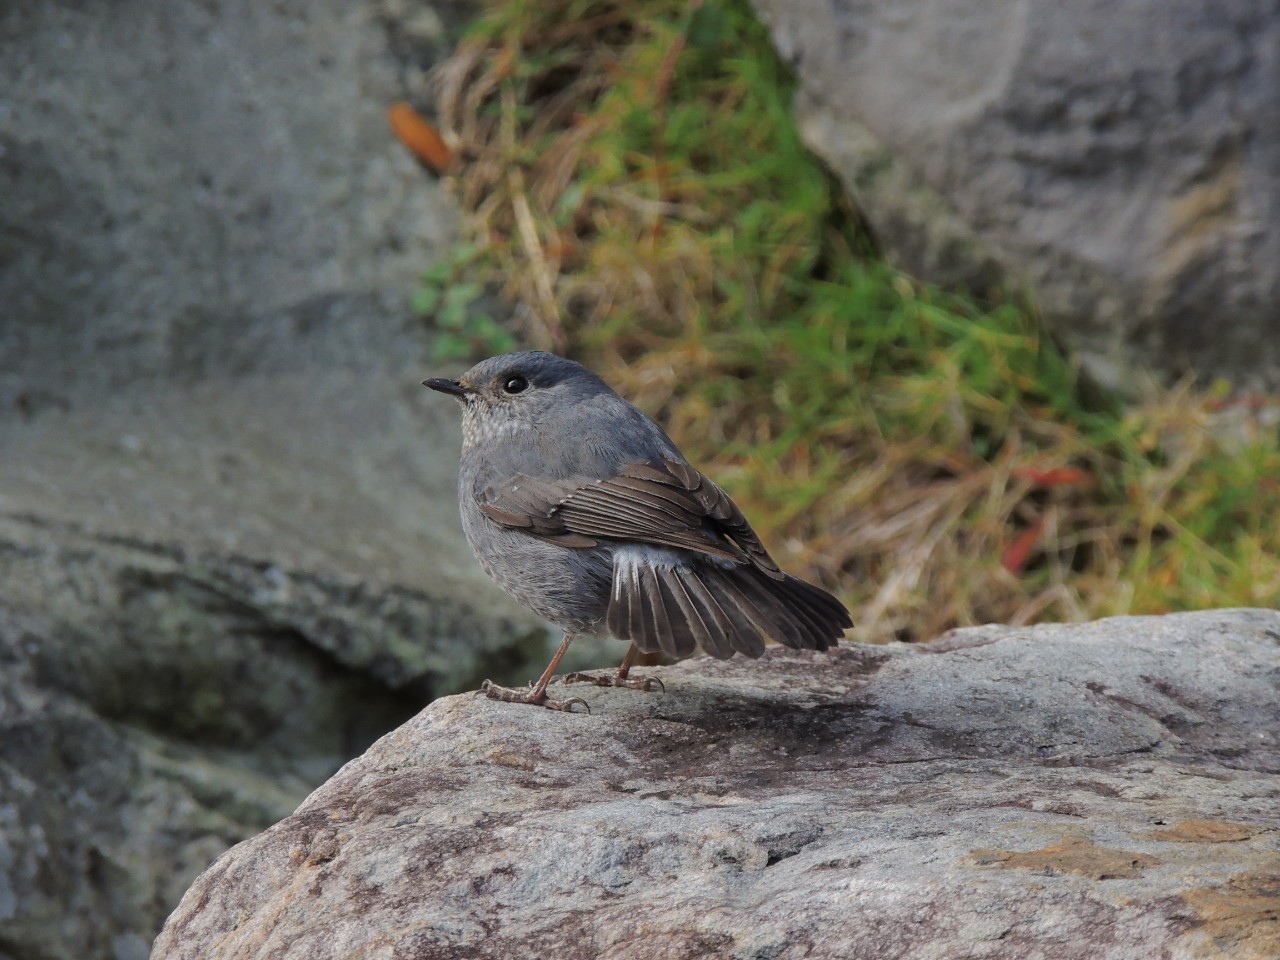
point(666, 505)
point(526, 504)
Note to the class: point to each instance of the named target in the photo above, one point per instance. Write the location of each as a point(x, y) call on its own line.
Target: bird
point(582, 509)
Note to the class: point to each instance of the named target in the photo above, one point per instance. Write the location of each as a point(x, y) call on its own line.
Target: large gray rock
point(229, 547)
point(1123, 159)
point(175, 173)
point(1109, 790)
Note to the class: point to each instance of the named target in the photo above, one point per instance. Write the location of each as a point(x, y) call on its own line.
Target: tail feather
point(745, 636)
point(708, 624)
point(823, 617)
point(657, 622)
point(829, 614)
point(760, 609)
point(627, 618)
point(725, 626)
point(662, 601)
point(645, 609)
point(678, 628)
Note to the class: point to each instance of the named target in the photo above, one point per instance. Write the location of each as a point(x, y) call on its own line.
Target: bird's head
point(518, 392)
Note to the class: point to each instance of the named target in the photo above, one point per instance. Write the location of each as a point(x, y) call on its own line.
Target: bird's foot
point(533, 695)
point(646, 684)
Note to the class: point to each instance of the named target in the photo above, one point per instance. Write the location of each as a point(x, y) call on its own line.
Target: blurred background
point(974, 307)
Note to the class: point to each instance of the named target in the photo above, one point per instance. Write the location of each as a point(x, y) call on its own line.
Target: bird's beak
point(451, 387)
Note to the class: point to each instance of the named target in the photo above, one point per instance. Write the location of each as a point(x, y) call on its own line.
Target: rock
point(229, 547)
point(1105, 790)
point(180, 175)
point(1121, 160)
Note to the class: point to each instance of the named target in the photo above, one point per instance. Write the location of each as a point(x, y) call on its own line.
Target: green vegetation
point(633, 179)
point(452, 301)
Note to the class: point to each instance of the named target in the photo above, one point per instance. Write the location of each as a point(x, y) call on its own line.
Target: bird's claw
point(534, 697)
point(613, 680)
point(567, 704)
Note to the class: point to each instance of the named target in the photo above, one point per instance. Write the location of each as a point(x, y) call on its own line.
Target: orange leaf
point(1053, 477)
point(416, 133)
point(1015, 556)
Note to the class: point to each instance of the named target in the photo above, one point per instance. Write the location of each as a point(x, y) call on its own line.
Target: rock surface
point(1109, 790)
point(229, 547)
point(1121, 158)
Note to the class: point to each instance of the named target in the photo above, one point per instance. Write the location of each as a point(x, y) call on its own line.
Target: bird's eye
point(515, 384)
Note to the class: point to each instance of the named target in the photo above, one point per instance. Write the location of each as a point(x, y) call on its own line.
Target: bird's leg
point(537, 694)
point(621, 678)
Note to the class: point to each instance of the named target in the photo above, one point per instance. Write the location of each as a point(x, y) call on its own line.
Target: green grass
point(634, 179)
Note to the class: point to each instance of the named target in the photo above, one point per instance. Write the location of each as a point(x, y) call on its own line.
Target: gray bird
point(583, 510)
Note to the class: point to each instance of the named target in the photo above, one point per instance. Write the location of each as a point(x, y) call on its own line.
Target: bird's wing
point(663, 504)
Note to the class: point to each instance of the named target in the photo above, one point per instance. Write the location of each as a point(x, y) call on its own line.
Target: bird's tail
point(676, 608)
